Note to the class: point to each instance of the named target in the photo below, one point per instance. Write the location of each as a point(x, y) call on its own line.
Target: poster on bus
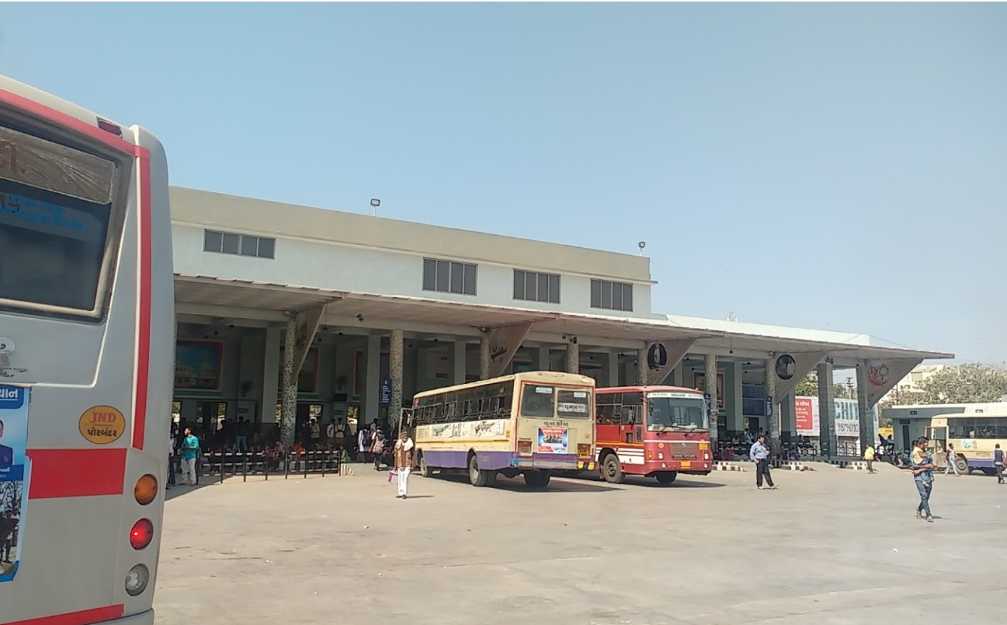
point(552, 440)
point(14, 472)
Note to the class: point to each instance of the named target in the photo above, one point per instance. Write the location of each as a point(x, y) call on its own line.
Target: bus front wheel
point(666, 477)
point(537, 479)
point(611, 469)
point(477, 477)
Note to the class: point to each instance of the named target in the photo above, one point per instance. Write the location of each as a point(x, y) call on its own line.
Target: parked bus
point(527, 423)
point(86, 358)
point(973, 433)
point(653, 431)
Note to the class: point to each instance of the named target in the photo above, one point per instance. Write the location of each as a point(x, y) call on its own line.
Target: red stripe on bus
point(76, 472)
point(143, 308)
point(69, 121)
point(82, 617)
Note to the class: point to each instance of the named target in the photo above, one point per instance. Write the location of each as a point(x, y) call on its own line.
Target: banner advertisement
point(552, 440)
point(807, 417)
point(14, 472)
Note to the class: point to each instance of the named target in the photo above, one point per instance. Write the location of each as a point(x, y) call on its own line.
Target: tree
point(808, 387)
point(973, 382)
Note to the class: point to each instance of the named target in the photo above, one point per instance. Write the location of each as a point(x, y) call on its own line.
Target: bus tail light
point(145, 489)
point(141, 534)
point(137, 579)
point(524, 446)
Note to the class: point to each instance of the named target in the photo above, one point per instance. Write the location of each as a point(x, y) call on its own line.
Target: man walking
point(190, 454)
point(869, 457)
point(998, 463)
point(759, 454)
point(951, 458)
point(923, 476)
point(403, 462)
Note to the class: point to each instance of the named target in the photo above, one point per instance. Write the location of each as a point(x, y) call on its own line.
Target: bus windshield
point(675, 410)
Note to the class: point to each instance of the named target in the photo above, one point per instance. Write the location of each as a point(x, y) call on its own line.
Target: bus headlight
point(136, 580)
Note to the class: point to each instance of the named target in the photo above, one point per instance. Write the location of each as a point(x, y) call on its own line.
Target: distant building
point(908, 391)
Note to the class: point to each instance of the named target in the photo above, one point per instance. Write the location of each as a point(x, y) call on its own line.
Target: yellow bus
point(973, 433)
point(527, 424)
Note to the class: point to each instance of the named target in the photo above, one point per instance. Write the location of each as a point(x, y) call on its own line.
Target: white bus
point(86, 358)
point(527, 423)
point(974, 433)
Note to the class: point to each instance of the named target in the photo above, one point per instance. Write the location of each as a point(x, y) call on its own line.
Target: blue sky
point(838, 167)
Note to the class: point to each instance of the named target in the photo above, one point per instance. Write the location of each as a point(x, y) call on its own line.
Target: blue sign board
point(14, 473)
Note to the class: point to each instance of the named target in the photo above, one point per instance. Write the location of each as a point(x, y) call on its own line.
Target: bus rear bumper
point(143, 618)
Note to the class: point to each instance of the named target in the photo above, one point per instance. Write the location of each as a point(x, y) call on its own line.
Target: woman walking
point(378, 449)
point(923, 476)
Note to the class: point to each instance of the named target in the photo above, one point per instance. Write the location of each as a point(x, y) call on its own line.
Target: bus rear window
point(55, 207)
point(573, 404)
point(538, 400)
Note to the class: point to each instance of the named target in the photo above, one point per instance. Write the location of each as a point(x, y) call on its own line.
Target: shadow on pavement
point(517, 485)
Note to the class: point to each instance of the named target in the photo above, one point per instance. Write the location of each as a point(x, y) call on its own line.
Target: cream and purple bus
point(86, 358)
point(528, 424)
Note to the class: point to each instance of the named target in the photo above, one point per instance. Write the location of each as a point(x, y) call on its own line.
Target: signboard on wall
point(807, 417)
point(198, 364)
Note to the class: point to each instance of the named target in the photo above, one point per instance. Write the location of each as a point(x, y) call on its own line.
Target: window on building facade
point(536, 287)
point(611, 295)
point(239, 244)
point(448, 276)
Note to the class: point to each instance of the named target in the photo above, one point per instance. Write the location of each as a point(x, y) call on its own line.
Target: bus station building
point(288, 312)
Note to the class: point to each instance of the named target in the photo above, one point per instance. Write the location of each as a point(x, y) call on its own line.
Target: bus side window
point(605, 414)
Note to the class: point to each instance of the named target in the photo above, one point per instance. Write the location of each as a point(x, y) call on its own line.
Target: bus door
point(631, 428)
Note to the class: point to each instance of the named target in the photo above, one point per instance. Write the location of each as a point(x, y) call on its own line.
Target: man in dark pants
point(998, 463)
point(760, 456)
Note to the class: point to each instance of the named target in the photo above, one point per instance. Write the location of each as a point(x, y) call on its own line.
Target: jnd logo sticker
point(11, 397)
point(102, 425)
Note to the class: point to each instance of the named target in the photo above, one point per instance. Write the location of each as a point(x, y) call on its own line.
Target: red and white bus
point(86, 358)
point(657, 431)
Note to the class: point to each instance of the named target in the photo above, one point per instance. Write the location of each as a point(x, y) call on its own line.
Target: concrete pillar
point(641, 366)
point(711, 390)
point(484, 357)
point(738, 402)
point(372, 386)
point(788, 418)
point(270, 375)
point(459, 362)
point(572, 356)
point(613, 368)
point(773, 405)
point(826, 411)
point(543, 358)
point(395, 358)
point(288, 419)
point(868, 432)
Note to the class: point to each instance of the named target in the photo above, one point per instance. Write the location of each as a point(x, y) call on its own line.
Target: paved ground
point(828, 547)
